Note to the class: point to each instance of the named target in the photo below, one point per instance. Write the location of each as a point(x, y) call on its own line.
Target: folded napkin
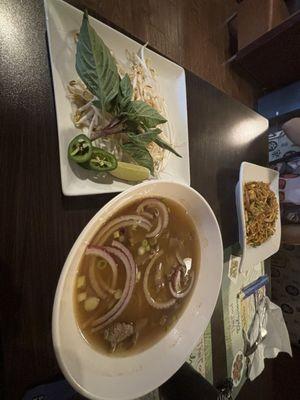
point(269, 317)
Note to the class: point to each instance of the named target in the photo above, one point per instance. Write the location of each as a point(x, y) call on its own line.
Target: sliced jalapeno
point(101, 160)
point(80, 149)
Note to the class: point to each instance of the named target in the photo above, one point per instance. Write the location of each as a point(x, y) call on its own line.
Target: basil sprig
point(97, 68)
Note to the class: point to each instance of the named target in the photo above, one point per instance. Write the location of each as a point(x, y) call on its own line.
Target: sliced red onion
point(94, 283)
point(105, 286)
point(101, 321)
point(180, 295)
point(126, 251)
point(156, 304)
point(120, 226)
point(119, 307)
point(123, 221)
point(158, 278)
point(157, 230)
point(146, 214)
point(99, 252)
point(154, 203)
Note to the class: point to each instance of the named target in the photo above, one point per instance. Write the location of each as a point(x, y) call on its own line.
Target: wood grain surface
point(38, 225)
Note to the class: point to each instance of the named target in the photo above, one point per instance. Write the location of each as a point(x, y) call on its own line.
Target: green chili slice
point(80, 149)
point(101, 160)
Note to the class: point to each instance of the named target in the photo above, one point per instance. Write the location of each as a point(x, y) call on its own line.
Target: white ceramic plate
point(98, 376)
point(62, 21)
point(254, 255)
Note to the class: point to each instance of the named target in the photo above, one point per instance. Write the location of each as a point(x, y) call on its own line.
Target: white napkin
point(276, 340)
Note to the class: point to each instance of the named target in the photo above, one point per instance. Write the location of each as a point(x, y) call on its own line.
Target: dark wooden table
point(38, 224)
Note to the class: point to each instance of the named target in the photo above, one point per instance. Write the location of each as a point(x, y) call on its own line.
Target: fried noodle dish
point(261, 212)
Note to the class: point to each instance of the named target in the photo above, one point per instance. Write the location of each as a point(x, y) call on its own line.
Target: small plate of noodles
point(257, 202)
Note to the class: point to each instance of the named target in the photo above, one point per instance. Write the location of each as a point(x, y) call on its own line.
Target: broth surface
point(144, 323)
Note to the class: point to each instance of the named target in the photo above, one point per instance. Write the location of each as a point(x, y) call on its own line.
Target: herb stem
point(115, 126)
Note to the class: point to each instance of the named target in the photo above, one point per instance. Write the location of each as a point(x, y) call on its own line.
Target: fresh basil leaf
point(97, 103)
point(142, 138)
point(126, 88)
point(131, 126)
point(140, 155)
point(138, 110)
point(145, 137)
point(125, 92)
point(164, 145)
point(155, 130)
point(95, 65)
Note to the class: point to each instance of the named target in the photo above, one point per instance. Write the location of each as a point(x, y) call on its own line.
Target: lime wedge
point(130, 172)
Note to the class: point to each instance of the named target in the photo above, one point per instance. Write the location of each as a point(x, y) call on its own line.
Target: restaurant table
point(39, 225)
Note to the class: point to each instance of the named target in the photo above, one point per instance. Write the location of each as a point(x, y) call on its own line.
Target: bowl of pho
point(137, 291)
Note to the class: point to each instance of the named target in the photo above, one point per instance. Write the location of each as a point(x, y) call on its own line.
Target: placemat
point(238, 314)
point(201, 357)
